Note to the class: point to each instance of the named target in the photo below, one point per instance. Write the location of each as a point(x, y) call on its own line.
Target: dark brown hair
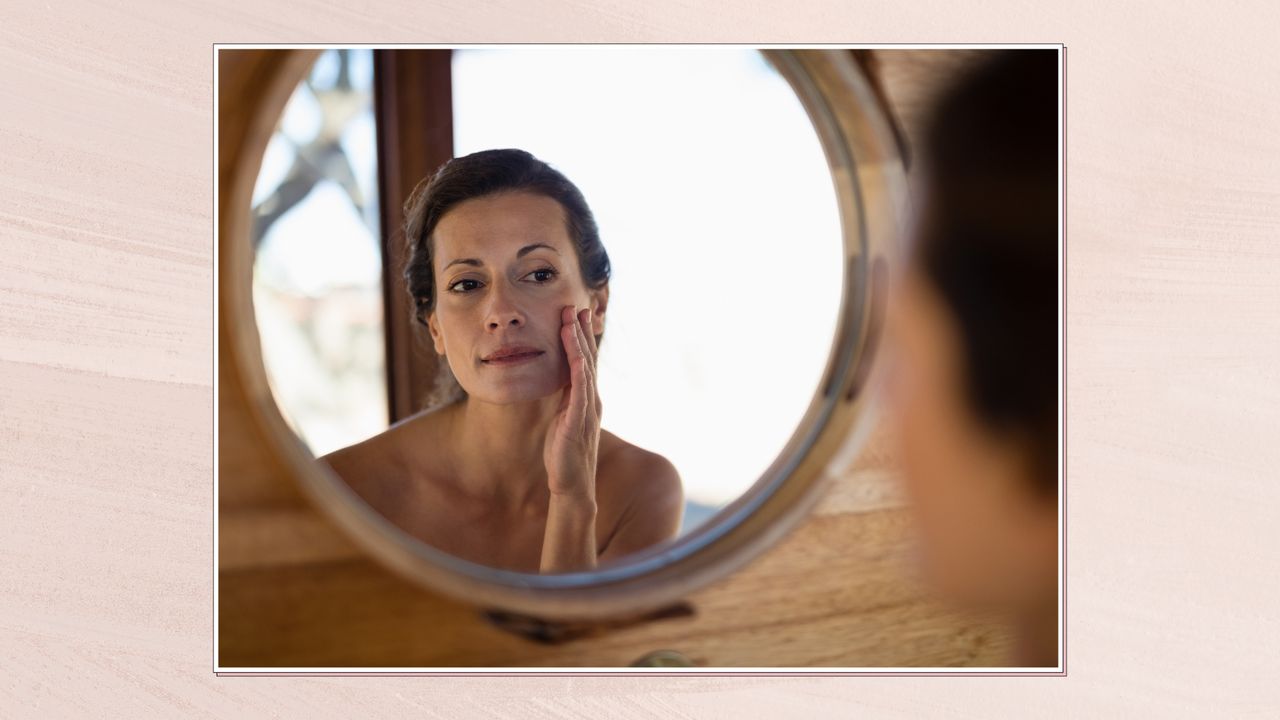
point(485, 173)
point(989, 241)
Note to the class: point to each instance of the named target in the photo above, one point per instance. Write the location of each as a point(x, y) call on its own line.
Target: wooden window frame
point(413, 107)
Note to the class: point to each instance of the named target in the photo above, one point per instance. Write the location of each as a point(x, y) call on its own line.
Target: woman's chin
point(515, 393)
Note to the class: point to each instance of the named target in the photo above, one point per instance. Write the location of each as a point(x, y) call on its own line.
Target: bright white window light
point(717, 208)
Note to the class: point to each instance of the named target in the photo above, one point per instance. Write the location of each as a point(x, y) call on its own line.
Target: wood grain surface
point(106, 363)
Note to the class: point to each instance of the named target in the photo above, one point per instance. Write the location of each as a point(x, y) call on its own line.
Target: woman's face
point(504, 267)
point(986, 539)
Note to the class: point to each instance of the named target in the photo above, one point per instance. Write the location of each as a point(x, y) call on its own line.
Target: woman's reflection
point(513, 470)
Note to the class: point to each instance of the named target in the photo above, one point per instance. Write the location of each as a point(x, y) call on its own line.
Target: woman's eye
point(464, 286)
point(543, 275)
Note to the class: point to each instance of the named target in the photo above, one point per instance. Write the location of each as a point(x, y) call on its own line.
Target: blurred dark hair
point(988, 241)
point(490, 172)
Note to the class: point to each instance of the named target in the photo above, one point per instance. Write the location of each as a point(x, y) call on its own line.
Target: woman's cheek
point(922, 451)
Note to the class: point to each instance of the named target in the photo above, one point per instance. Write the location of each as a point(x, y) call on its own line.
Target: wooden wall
point(838, 591)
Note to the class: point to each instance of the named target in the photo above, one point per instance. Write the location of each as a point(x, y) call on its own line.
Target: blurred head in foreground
point(974, 384)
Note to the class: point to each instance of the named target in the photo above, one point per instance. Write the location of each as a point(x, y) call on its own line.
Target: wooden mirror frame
point(867, 170)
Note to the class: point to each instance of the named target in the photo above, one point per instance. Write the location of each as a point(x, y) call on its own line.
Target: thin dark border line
point(217, 442)
point(1063, 486)
point(507, 673)
point(638, 672)
point(770, 46)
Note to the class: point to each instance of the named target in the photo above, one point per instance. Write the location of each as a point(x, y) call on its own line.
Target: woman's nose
point(505, 320)
point(503, 313)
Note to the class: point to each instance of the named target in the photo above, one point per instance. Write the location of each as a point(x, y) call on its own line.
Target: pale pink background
point(106, 357)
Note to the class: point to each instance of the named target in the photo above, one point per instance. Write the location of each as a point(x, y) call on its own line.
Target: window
point(317, 275)
point(713, 197)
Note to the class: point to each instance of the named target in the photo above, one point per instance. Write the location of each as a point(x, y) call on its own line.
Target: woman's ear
point(437, 338)
point(599, 303)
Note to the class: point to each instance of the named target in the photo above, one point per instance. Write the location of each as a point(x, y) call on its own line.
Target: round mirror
point(746, 201)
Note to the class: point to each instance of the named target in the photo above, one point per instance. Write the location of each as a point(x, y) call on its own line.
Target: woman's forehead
point(499, 226)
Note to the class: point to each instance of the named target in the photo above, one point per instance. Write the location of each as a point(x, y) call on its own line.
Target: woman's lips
point(515, 357)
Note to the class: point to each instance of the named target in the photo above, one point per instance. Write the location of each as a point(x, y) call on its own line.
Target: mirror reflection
point(624, 289)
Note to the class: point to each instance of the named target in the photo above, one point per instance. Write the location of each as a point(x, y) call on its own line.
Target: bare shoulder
point(640, 494)
point(632, 469)
point(366, 467)
point(375, 468)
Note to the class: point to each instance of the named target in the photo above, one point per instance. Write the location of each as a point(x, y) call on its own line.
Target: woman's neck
point(497, 449)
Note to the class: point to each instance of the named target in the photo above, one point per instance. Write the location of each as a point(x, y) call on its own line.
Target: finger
point(594, 395)
point(595, 363)
point(588, 383)
point(568, 334)
point(583, 327)
point(570, 344)
point(590, 337)
point(583, 332)
point(584, 319)
point(579, 381)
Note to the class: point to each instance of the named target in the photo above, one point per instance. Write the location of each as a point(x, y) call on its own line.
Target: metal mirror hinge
point(555, 632)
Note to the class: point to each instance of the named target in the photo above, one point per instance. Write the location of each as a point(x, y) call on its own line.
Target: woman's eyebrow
point(463, 261)
point(530, 248)
point(519, 254)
